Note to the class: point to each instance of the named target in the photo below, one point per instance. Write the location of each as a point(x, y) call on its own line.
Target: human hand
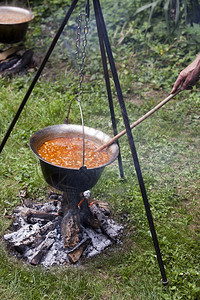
point(188, 77)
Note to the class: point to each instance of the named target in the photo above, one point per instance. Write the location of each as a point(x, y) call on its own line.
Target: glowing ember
point(68, 153)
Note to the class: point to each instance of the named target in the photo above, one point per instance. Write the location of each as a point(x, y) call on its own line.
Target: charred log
point(9, 63)
point(70, 228)
point(86, 216)
point(29, 234)
point(32, 215)
point(20, 65)
point(75, 254)
point(42, 249)
point(108, 226)
point(9, 52)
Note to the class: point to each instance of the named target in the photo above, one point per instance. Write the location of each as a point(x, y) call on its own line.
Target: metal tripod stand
point(105, 50)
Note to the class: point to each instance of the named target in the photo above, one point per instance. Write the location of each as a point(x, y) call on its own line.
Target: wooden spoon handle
point(149, 113)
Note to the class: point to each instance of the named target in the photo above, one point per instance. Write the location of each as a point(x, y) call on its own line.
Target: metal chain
point(78, 35)
point(79, 94)
point(83, 53)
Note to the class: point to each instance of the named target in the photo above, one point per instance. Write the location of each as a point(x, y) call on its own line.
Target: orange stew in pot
point(68, 153)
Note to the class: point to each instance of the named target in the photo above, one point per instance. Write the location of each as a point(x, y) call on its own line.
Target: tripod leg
point(99, 16)
point(109, 93)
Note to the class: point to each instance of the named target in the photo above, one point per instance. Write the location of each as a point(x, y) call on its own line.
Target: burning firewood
point(28, 235)
point(9, 63)
point(32, 215)
point(9, 52)
point(15, 60)
point(60, 231)
point(42, 248)
point(20, 64)
point(75, 254)
point(70, 228)
point(108, 226)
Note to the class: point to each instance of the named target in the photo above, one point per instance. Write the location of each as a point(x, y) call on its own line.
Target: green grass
point(168, 149)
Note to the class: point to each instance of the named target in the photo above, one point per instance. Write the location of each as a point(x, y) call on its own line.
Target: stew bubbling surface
point(68, 153)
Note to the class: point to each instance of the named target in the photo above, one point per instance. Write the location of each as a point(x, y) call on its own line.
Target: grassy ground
point(168, 149)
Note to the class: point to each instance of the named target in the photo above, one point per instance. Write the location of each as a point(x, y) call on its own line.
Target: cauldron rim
point(18, 9)
point(77, 126)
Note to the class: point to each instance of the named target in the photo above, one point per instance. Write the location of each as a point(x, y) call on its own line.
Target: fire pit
point(36, 231)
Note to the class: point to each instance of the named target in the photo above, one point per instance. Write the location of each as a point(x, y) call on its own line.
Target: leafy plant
point(174, 12)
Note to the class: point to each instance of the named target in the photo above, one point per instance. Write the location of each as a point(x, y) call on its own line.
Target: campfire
point(69, 225)
point(57, 231)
